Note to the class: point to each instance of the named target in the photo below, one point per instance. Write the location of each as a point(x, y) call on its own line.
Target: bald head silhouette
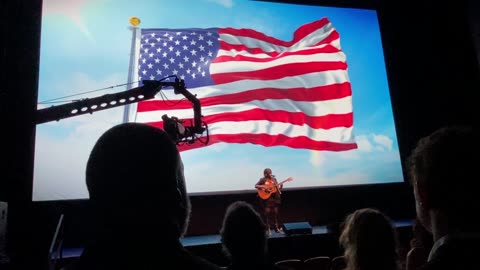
point(138, 202)
point(135, 180)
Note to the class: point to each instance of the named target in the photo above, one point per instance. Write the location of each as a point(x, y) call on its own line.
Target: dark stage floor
point(205, 240)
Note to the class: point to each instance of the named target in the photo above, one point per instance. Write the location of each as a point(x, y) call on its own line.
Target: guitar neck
point(284, 181)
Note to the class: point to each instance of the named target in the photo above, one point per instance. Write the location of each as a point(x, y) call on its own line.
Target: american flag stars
point(185, 54)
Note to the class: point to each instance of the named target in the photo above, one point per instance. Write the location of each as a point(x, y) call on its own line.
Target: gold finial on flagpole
point(134, 21)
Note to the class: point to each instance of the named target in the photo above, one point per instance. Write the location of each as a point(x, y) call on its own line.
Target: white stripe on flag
point(310, 39)
point(337, 135)
point(238, 66)
point(264, 55)
point(304, 81)
point(318, 108)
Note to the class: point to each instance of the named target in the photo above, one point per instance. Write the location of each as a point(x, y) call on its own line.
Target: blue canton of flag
point(186, 54)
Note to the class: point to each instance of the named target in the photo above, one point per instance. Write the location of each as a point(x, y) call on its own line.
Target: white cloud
point(225, 3)
point(363, 143)
point(318, 158)
point(374, 142)
point(384, 141)
point(366, 144)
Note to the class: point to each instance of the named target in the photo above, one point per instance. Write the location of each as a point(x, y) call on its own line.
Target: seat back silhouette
point(338, 263)
point(317, 263)
point(289, 264)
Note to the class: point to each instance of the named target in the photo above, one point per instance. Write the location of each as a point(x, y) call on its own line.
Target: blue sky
point(85, 45)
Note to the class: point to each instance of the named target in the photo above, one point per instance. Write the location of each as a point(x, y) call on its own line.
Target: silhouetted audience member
point(444, 174)
point(243, 237)
point(369, 241)
point(420, 246)
point(138, 201)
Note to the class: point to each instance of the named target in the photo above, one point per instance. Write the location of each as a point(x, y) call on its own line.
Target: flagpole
point(132, 74)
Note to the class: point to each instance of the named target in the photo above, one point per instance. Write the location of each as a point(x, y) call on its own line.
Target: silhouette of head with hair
point(135, 180)
point(138, 202)
point(243, 235)
point(442, 169)
point(267, 172)
point(369, 240)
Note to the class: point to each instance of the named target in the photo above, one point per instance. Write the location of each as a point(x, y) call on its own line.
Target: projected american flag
point(254, 88)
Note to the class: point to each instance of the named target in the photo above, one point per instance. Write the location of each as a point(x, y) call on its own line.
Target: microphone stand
point(276, 184)
point(278, 187)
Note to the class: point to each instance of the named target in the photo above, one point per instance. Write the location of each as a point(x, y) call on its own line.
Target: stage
point(321, 242)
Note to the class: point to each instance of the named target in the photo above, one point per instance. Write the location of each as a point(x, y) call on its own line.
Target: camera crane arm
point(148, 91)
point(91, 105)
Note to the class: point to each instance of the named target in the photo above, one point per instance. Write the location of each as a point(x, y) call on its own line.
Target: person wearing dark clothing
point(138, 203)
point(243, 238)
point(269, 191)
point(443, 172)
point(420, 246)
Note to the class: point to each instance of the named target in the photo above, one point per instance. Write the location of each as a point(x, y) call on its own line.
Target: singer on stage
point(269, 192)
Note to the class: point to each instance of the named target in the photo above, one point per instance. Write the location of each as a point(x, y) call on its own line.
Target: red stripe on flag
point(299, 34)
point(267, 140)
point(239, 57)
point(273, 140)
point(320, 93)
point(278, 72)
point(296, 118)
point(238, 47)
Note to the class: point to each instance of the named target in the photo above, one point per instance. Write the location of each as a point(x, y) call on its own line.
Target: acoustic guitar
point(270, 188)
